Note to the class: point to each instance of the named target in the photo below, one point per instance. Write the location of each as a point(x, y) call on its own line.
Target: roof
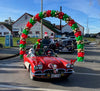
point(22, 16)
point(6, 25)
point(50, 26)
point(45, 22)
point(58, 26)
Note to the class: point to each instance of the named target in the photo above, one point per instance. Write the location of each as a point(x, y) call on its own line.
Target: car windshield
point(72, 37)
point(44, 52)
point(64, 38)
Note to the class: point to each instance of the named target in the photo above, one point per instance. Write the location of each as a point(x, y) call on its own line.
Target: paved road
point(86, 77)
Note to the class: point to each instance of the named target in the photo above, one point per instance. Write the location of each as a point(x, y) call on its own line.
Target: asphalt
point(6, 53)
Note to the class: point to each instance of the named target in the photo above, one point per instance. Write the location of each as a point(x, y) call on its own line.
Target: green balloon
point(25, 32)
point(53, 13)
point(23, 46)
point(80, 46)
point(65, 16)
point(80, 59)
point(74, 26)
point(37, 43)
point(32, 21)
point(41, 15)
point(21, 56)
point(79, 38)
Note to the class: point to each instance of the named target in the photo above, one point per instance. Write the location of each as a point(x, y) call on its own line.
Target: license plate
point(55, 75)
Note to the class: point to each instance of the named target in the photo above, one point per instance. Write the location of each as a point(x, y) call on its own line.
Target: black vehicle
point(66, 46)
point(47, 43)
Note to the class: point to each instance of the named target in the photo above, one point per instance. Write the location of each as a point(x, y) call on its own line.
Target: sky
point(79, 10)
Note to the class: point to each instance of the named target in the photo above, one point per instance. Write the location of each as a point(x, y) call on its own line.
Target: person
point(52, 38)
point(49, 53)
point(31, 53)
point(46, 40)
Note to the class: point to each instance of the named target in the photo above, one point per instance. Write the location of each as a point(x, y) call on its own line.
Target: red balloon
point(60, 16)
point(37, 17)
point(22, 42)
point(48, 13)
point(24, 35)
point(71, 22)
point(22, 52)
point(29, 25)
point(39, 40)
point(81, 54)
point(78, 33)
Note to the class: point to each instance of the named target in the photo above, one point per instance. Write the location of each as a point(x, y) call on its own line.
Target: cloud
point(85, 7)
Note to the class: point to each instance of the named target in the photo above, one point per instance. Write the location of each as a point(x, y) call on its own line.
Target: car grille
point(50, 71)
point(38, 72)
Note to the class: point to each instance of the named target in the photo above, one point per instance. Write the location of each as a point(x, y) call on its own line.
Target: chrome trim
point(37, 71)
point(69, 72)
point(57, 69)
point(39, 74)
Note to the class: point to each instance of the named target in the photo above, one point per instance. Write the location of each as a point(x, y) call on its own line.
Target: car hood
point(46, 61)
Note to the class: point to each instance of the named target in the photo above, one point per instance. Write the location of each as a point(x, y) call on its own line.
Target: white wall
point(20, 25)
point(67, 28)
point(4, 29)
point(37, 27)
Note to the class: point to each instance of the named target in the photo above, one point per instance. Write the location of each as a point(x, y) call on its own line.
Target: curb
point(10, 56)
point(15, 55)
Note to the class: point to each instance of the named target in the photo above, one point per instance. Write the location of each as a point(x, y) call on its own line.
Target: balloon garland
point(60, 15)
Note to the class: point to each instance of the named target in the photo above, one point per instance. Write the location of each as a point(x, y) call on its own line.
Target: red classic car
point(47, 65)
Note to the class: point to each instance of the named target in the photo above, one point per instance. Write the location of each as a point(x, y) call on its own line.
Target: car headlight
point(35, 67)
point(71, 65)
point(40, 66)
point(68, 65)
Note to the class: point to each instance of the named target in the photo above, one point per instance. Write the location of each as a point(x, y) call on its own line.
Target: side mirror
point(56, 55)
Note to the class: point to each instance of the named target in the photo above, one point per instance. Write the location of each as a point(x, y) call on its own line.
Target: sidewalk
point(6, 53)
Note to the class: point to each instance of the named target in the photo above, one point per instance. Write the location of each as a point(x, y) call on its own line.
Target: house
point(5, 29)
point(98, 35)
point(68, 31)
point(35, 31)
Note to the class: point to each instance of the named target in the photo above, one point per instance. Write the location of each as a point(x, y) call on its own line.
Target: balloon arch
point(56, 14)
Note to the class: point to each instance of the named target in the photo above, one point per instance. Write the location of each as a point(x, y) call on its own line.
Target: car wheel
point(31, 75)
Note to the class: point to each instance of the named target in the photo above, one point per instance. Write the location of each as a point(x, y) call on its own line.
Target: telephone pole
point(41, 20)
point(87, 29)
point(60, 19)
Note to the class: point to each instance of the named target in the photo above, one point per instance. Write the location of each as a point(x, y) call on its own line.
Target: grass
point(90, 39)
point(28, 41)
point(31, 40)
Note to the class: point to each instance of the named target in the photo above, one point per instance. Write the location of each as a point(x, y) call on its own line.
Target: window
point(25, 17)
point(2, 27)
point(0, 33)
point(37, 32)
point(5, 33)
point(15, 29)
point(30, 32)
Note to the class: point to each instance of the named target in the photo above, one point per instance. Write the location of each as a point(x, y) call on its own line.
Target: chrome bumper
point(44, 74)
